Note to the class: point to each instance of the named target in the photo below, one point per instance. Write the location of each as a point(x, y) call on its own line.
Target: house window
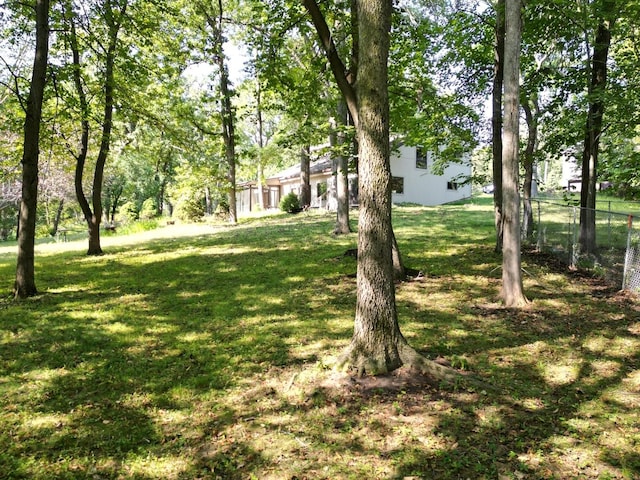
point(452, 186)
point(397, 184)
point(421, 158)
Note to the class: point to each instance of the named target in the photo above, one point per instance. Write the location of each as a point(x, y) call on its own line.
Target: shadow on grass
point(202, 358)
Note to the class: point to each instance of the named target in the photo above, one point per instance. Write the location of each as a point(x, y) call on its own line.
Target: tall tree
point(377, 345)
point(593, 128)
point(25, 284)
point(305, 176)
point(342, 171)
point(345, 80)
point(113, 16)
point(215, 20)
point(378, 349)
point(512, 289)
point(532, 113)
point(496, 121)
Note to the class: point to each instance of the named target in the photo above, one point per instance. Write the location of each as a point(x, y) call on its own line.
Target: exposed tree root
point(354, 360)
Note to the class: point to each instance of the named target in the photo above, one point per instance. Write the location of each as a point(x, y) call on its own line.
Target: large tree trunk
point(342, 175)
point(25, 283)
point(529, 162)
point(375, 346)
point(512, 290)
point(305, 177)
point(593, 130)
point(496, 121)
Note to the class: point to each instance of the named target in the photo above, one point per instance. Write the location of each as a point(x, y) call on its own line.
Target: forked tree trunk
point(512, 289)
point(25, 282)
point(377, 345)
point(93, 216)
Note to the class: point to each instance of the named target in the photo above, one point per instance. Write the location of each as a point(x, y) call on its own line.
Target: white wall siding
point(421, 186)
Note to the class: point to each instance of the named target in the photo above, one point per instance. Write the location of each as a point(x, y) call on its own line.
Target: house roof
point(317, 167)
point(322, 165)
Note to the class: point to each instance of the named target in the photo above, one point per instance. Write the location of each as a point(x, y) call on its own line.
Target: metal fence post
point(609, 226)
point(539, 243)
point(627, 255)
point(572, 241)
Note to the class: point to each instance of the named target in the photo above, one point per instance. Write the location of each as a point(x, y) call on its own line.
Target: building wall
point(421, 186)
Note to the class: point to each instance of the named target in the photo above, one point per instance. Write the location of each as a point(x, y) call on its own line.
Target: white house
point(412, 182)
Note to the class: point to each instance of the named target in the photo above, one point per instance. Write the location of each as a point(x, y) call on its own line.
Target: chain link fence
point(556, 229)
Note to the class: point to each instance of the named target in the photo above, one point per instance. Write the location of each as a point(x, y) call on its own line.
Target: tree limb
point(338, 68)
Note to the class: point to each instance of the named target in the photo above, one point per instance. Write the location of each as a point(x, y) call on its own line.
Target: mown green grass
point(204, 356)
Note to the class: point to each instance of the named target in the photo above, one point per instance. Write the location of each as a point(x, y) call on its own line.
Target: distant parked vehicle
point(487, 189)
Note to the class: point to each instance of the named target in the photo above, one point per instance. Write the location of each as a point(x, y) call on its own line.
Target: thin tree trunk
point(260, 172)
point(25, 283)
point(305, 177)
point(512, 289)
point(83, 147)
point(342, 175)
point(529, 162)
point(593, 129)
point(58, 216)
point(496, 122)
point(227, 113)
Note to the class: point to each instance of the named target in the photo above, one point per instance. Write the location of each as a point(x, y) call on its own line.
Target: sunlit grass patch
point(208, 356)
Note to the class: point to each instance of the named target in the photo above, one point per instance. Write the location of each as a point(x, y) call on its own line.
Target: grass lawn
point(202, 352)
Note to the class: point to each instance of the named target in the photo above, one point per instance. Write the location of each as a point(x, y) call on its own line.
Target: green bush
point(149, 209)
point(189, 208)
point(128, 211)
point(222, 210)
point(290, 203)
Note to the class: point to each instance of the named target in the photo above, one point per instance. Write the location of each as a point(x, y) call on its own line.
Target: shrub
point(149, 209)
point(222, 210)
point(290, 203)
point(128, 211)
point(189, 208)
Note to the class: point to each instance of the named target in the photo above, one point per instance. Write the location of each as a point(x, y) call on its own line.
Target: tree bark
point(93, 213)
point(58, 216)
point(496, 121)
point(260, 172)
point(512, 289)
point(25, 283)
point(340, 73)
point(305, 176)
point(593, 129)
point(342, 175)
point(226, 109)
point(529, 162)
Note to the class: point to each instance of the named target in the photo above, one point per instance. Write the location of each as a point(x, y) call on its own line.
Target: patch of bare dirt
point(408, 380)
